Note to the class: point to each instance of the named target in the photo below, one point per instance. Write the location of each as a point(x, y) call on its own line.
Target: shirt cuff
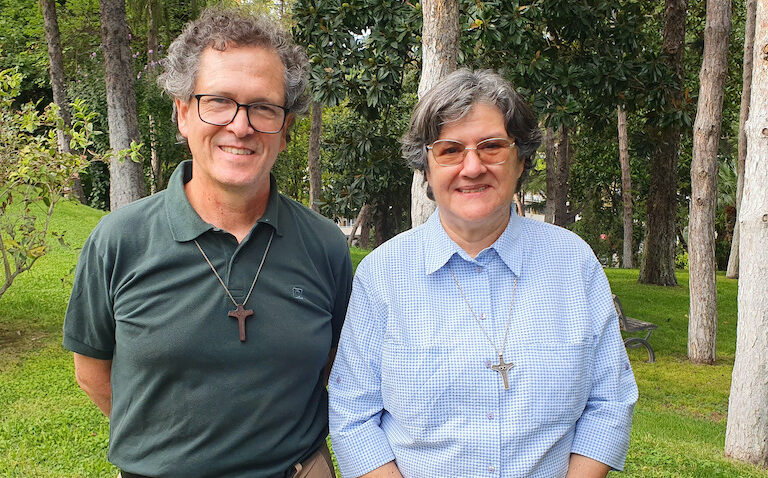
point(362, 450)
point(602, 441)
point(84, 349)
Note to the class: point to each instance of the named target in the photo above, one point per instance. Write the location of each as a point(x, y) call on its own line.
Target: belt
point(289, 473)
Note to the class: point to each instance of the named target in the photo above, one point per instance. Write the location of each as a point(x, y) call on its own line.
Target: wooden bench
point(630, 325)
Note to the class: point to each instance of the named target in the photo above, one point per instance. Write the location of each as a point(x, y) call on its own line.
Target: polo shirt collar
point(439, 247)
point(184, 221)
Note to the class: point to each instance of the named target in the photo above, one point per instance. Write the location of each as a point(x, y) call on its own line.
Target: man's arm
point(329, 365)
point(93, 376)
point(387, 470)
point(581, 466)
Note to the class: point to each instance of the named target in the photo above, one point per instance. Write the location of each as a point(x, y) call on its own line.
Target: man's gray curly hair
point(222, 28)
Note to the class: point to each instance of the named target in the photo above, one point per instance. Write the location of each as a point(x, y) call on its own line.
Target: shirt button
point(490, 415)
point(487, 364)
point(482, 316)
point(491, 468)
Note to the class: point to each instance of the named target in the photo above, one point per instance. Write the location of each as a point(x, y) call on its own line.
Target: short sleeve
point(89, 324)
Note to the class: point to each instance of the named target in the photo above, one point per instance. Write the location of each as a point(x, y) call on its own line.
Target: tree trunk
point(551, 175)
point(126, 177)
point(440, 53)
point(313, 157)
point(154, 159)
point(58, 84)
point(365, 228)
point(658, 264)
point(746, 92)
point(747, 426)
point(519, 206)
point(358, 223)
point(702, 322)
point(563, 170)
point(626, 189)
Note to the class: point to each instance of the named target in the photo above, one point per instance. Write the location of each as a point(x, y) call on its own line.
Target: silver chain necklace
point(502, 368)
point(240, 313)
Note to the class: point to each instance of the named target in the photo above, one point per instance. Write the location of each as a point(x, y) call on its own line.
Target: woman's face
point(473, 195)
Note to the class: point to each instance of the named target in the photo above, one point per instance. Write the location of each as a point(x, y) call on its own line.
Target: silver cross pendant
point(503, 369)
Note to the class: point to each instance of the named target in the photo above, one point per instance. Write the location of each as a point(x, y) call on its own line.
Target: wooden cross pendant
point(503, 369)
point(241, 313)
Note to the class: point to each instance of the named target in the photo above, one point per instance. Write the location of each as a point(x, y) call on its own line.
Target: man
point(202, 318)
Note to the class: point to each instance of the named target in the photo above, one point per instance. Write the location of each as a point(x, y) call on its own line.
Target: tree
point(747, 426)
point(440, 51)
point(53, 38)
point(658, 263)
point(34, 172)
point(746, 92)
point(702, 324)
point(126, 176)
point(626, 189)
point(313, 157)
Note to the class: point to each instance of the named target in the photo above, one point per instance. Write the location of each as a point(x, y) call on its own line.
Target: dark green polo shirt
point(189, 399)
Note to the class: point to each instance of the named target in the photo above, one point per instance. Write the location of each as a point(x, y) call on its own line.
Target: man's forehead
point(226, 69)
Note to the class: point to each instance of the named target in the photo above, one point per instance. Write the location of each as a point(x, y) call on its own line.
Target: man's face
point(235, 156)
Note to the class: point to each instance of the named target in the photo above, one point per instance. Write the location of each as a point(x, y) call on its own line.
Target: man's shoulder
point(132, 219)
point(309, 221)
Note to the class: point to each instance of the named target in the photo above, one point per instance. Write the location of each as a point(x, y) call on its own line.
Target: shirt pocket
point(559, 378)
point(416, 387)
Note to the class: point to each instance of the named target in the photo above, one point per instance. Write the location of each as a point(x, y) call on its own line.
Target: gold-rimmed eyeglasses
point(449, 152)
point(220, 111)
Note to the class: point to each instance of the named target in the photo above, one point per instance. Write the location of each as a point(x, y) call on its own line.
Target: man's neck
point(235, 211)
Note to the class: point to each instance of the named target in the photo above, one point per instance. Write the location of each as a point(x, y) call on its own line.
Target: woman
point(480, 343)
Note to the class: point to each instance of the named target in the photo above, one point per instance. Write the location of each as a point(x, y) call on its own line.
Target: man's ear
point(289, 119)
point(182, 116)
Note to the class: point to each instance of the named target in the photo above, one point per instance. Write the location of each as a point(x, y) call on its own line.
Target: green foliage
point(34, 174)
point(359, 50)
point(365, 166)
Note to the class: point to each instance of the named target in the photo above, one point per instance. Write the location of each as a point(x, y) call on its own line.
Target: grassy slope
point(49, 428)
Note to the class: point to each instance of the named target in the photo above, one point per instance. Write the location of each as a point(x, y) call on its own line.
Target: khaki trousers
point(319, 465)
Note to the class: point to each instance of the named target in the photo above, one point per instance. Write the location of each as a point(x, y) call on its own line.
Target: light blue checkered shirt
point(412, 380)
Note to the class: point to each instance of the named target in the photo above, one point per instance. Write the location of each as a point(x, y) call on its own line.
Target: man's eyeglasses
point(220, 111)
point(448, 152)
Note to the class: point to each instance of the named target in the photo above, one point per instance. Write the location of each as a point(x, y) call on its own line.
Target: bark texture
point(746, 93)
point(126, 177)
point(362, 217)
point(313, 157)
point(562, 216)
point(551, 164)
point(658, 263)
point(702, 322)
point(626, 188)
point(439, 57)
point(747, 426)
point(154, 158)
point(58, 83)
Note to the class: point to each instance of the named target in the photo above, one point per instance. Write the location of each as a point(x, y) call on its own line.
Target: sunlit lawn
point(48, 428)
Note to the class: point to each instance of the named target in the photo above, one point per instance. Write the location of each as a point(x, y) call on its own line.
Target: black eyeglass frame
point(512, 143)
point(237, 110)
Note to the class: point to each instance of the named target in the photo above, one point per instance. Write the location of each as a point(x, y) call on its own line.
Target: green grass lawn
point(49, 428)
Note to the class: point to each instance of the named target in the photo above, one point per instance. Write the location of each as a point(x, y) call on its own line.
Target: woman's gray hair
point(222, 28)
point(452, 98)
